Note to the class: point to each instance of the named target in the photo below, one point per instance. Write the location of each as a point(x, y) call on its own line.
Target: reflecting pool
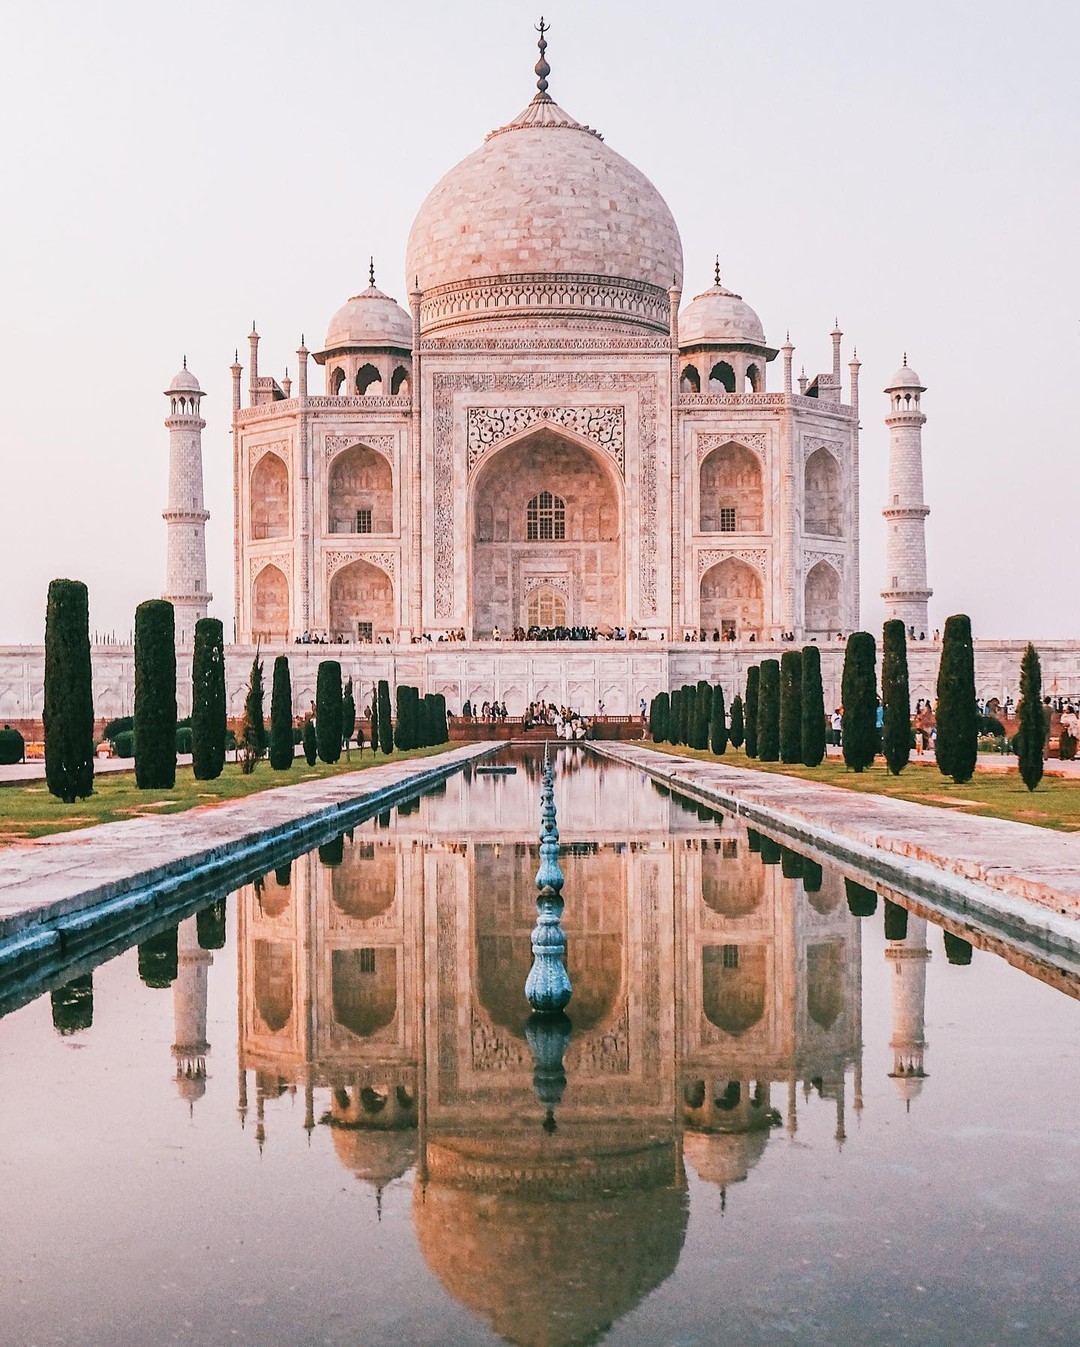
point(793, 1110)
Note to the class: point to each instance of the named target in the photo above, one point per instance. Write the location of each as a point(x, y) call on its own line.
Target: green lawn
point(1054, 804)
point(28, 811)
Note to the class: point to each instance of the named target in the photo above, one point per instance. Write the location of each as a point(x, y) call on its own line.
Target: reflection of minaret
point(189, 1012)
point(909, 958)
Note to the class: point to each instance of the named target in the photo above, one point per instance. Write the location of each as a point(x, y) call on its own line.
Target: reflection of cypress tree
point(384, 819)
point(813, 707)
point(791, 863)
point(858, 694)
point(718, 735)
point(768, 717)
point(811, 876)
point(791, 749)
point(753, 840)
point(861, 901)
point(750, 709)
point(957, 743)
point(283, 874)
point(895, 921)
point(73, 1005)
point(957, 950)
point(895, 697)
point(737, 732)
point(333, 852)
point(658, 717)
point(158, 959)
point(68, 713)
point(770, 851)
point(210, 925)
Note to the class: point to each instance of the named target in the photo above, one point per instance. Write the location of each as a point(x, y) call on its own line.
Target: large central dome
point(544, 216)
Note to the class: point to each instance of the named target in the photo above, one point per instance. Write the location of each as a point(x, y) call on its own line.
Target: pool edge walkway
point(1020, 875)
point(64, 873)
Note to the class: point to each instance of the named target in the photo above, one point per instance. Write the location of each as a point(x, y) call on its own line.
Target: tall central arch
point(545, 535)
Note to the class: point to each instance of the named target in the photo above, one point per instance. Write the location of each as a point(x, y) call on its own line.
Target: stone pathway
point(52, 877)
point(892, 839)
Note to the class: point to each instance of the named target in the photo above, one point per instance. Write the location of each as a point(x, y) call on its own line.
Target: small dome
point(184, 382)
point(905, 377)
point(719, 316)
point(370, 319)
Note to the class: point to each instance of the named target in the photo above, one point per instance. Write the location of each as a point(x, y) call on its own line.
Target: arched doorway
point(822, 611)
point(360, 498)
point(732, 598)
point(270, 498)
point(270, 605)
point(361, 603)
point(824, 498)
point(545, 519)
point(732, 500)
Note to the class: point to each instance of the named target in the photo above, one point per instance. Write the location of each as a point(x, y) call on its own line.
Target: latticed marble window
point(547, 608)
point(545, 518)
point(363, 521)
point(727, 519)
point(365, 632)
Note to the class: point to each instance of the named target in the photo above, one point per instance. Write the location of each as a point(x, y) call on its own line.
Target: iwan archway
point(545, 537)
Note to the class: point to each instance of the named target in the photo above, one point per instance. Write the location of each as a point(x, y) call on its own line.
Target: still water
point(312, 1115)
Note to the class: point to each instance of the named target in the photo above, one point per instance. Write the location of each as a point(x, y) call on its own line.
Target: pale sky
point(171, 173)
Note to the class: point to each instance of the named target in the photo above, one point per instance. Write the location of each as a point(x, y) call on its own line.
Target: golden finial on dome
point(543, 70)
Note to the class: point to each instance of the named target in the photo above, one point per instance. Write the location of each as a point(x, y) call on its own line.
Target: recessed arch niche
point(823, 492)
point(360, 492)
point(270, 605)
point(732, 496)
point(732, 592)
point(361, 597)
point(822, 598)
point(270, 498)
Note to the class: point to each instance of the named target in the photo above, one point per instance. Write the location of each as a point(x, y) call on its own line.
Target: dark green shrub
point(310, 742)
point(210, 925)
point(348, 715)
point(207, 733)
point(895, 697)
point(283, 735)
point(957, 950)
point(68, 713)
point(813, 708)
point(12, 746)
point(73, 1005)
point(861, 901)
point(737, 732)
point(718, 735)
point(768, 716)
point(895, 921)
point(158, 956)
point(155, 695)
point(1030, 738)
point(791, 749)
point(957, 744)
point(328, 710)
point(859, 696)
point(991, 725)
point(124, 744)
point(386, 727)
point(184, 740)
point(750, 708)
point(117, 726)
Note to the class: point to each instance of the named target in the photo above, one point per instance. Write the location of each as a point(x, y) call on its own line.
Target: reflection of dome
point(719, 316)
point(550, 1246)
point(377, 1156)
point(370, 319)
point(724, 1158)
point(909, 1084)
point(544, 196)
point(190, 1084)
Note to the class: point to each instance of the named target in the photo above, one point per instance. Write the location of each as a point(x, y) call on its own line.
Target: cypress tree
point(813, 707)
point(1030, 737)
point(858, 691)
point(428, 718)
point(68, 714)
point(310, 742)
point(255, 720)
point(718, 735)
point(895, 696)
point(791, 749)
point(659, 713)
point(442, 726)
point(155, 695)
point(348, 715)
point(768, 717)
point(333, 852)
point(208, 700)
point(753, 840)
point(282, 748)
point(386, 728)
point(956, 714)
point(403, 729)
point(702, 713)
point(673, 724)
point(750, 709)
point(374, 720)
point(328, 710)
point(737, 732)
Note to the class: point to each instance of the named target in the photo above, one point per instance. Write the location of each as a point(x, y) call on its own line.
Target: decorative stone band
point(906, 512)
point(901, 595)
point(552, 294)
point(604, 426)
point(756, 441)
point(267, 411)
point(688, 401)
point(833, 559)
point(334, 444)
point(906, 419)
point(184, 422)
point(591, 340)
point(186, 516)
point(758, 557)
point(259, 562)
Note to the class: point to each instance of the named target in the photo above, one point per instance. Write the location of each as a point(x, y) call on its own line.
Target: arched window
point(337, 378)
point(546, 608)
point(545, 518)
point(753, 379)
point(399, 381)
point(723, 375)
point(366, 376)
point(691, 380)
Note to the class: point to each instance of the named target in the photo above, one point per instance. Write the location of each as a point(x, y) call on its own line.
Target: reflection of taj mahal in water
point(711, 985)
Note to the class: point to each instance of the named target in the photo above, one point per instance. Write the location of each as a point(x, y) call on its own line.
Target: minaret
point(185, 567)
point(909, 958)
point(189, 1012)
point(906, 591)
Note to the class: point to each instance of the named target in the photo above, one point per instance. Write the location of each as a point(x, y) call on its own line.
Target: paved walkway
point(51, 877)
point(889, 838)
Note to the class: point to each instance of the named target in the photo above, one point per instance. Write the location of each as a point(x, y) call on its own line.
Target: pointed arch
point(273, 983)
point(364, 988)
point(691, 380)
point(270, 605)
point(361, 602)
point(823, 495)
point(269, 504)
point(732, 496)
point(733, 986)
point(722, 378)
point(360, 492)
point(732, 598)
point(822, 611)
